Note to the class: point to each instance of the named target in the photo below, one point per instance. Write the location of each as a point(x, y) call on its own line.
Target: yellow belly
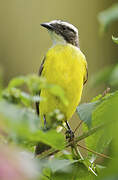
point(65, 65)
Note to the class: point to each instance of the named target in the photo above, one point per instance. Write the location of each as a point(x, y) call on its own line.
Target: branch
point(76, 140)
point(89, 133)
point(98, 154)
point(78, 126)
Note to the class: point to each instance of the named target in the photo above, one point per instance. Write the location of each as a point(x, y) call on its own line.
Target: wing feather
point(40, 72)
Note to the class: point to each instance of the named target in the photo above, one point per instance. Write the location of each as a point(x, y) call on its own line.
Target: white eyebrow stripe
point(66, 24)
point(70, 26)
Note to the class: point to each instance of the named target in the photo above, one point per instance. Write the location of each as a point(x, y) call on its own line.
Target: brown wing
point(86, 76)
point(40, 72)
point(41, 67)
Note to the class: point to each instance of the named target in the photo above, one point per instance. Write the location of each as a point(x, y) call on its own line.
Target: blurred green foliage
point(107, 17)
point(21, 127)
point(115, 39)
point(107, 76)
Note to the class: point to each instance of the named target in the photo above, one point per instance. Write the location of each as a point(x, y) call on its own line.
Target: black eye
point(64, 28)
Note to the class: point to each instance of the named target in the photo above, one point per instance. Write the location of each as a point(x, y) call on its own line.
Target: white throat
point(57, 39)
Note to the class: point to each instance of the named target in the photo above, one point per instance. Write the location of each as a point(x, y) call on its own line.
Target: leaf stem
point(98, 154)
point(80, 123)
point(90, 132)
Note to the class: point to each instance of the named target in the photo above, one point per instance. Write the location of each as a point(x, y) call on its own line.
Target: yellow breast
point(65, 65)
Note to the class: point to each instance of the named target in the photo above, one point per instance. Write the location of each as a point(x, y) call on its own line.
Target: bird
point(65, 65)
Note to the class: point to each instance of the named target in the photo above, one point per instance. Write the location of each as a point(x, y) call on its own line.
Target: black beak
point(47, 25)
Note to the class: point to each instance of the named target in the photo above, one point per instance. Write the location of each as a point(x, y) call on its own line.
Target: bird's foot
point(69, 135)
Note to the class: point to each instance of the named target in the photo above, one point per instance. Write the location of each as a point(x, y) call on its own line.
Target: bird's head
point(62, 32)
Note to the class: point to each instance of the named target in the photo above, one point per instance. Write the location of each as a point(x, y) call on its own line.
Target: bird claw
point(69, 135)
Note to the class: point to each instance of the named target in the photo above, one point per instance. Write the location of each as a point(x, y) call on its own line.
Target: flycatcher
point(64, 65)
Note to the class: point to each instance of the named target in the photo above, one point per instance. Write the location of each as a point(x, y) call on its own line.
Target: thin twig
point(98, 154)
point(78, 126)
point(106, 91)
point(77, 139)
point(90, 132)
point(47, 153)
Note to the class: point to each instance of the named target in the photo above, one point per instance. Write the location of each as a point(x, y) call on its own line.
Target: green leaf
point(50, 137)
point(85, 112)
point(77, 171)
point(35, 84)
point(89, 113)
point(57, 169)
point(61, 165)
point(97, 141)
point(17, 96)
point(17, 81)
point(19, 117)
point(24, 126)
point(105, 112)
point(115, 39)
point(107, 17)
